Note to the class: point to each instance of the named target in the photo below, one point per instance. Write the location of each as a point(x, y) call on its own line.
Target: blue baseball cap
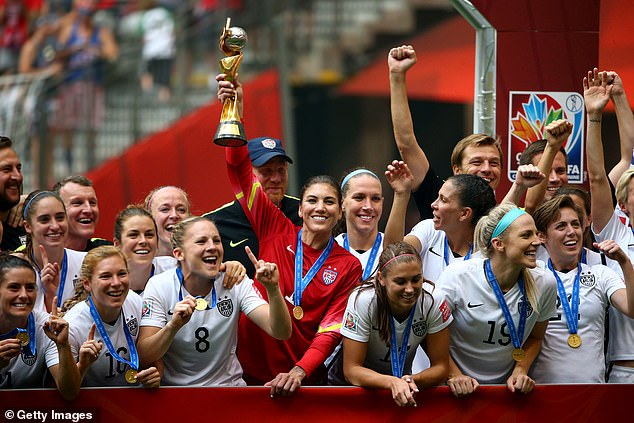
point(263, 149)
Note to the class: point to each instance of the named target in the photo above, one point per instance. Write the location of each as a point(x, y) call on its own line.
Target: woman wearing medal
point(573, 348)
point(316, 276)
point(362, 206)
point(190, 322)
point(135, 233)
point(30, 340)
point(46, 226)
point(500, 304)
point(104, 317)
point(386, 319)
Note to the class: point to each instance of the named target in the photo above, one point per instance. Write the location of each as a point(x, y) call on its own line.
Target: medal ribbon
point(570, 310)
point(302, 282)
point(369, 266)
point(584, 259)
point(398, 356)
point(517, 336)
point(134, 357)
point(179, 273)
point(447, 252)
point(30, 329)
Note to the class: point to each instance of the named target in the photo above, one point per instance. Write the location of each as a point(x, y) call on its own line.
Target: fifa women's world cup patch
point(147, 308)
point(529, 114)
point(350, 321)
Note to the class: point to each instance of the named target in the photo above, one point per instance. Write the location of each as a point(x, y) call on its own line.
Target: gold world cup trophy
point(230, 132)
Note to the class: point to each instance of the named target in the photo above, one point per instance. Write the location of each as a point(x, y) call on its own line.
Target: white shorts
point(621, 374)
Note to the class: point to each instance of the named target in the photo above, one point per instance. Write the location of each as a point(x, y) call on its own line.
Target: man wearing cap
point(270, 165)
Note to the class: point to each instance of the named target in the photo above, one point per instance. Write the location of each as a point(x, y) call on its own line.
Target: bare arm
point(273, 317)
point(519, 380)
point(596, 95)
point(401, 180)
point(556, 133)
point(527, 176)
point(109, 48)
point(622, 299)
point(400, 60)
point(438, 352)
point(625, 119)
point(354, 353)
point(154, 342)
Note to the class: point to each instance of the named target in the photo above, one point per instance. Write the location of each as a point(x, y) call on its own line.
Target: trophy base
point(230, 134)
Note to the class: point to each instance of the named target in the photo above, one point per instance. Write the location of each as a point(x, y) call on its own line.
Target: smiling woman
point(394, 311)
point(104, 323)
point(46, 226)
point(573, 350)
point(191, 313)
point(501, 305)
point(135, 233)
point(316, 275)
point(168, 205)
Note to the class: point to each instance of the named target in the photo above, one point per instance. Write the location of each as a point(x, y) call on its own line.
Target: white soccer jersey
point(592, 257)
point(203, 352)
point(365, 256)
point(360, 324)
point(106, 370)
point(432, 250)
point(163, 263)
point(74, 260)
point(27, 370)
point(480, 342)
point(621, 337)
point(557, 362)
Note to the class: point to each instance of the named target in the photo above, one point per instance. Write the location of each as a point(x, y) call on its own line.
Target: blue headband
point(26, 207)
point(355, 173)
point(506, 221)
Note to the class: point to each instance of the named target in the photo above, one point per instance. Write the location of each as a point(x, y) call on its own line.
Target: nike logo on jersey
point(288, 247)
point(170, 312)
point(431, 250)
point(474, 305)
point(235, 244)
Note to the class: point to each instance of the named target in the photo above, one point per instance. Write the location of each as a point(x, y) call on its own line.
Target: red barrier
point(184, 155)
point(560, 403)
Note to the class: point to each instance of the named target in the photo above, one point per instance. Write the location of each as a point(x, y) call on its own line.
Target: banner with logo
point(529, 114)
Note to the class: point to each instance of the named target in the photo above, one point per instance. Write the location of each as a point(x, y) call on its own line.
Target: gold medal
point(130, 376)
point(518, 354)
point(298, 312)
point(24, 338)
point(574, 340)
point(201, 304)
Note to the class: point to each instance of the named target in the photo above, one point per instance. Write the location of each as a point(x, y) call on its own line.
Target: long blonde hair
point(483, 236)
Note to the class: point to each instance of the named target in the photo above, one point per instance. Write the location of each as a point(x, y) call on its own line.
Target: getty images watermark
point(23, 415)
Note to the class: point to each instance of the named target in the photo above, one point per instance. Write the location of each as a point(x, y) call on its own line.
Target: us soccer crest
point(529, 308)
point(27, 356)
point(531, 112)
point(225, 307)
point(133, 325)
point(420, 328)
point(329, 276)
point(587, 279)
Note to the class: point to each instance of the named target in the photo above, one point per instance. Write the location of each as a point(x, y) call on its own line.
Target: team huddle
point(280, 291)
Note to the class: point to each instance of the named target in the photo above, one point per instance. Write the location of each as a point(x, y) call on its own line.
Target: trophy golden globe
point(230, 132)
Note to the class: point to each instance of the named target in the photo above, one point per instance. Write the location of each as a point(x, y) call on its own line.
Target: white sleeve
point(248, 296)
point(357, 321)
point(155, 307)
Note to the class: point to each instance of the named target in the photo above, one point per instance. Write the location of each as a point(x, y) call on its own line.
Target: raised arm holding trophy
point(230, 132)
